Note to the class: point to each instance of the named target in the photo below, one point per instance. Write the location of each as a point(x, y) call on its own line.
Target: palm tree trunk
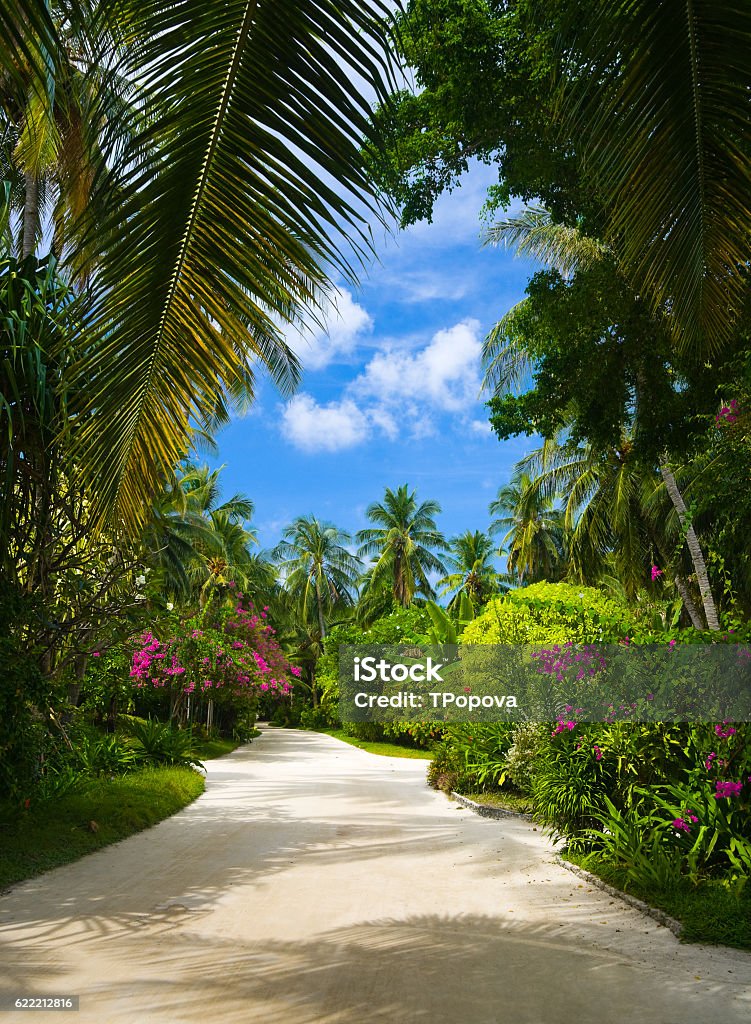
point(688, 603)
point(321, 623)
point(30, 215)
point(697, 556)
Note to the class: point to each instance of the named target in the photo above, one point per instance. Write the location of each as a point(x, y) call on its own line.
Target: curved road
point(314, 883)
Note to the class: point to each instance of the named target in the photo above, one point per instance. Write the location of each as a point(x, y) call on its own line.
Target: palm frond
point(659, 98)
point(533, 233)
point(226, 211)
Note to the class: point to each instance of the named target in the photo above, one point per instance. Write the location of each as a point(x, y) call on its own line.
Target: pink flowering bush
point(232, 659)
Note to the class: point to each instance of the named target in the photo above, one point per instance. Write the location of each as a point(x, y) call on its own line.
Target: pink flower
point(598, 752)
point(96, 654)
point(681, 825)
point(656, 573)
point(726, 789)
point(723, 733)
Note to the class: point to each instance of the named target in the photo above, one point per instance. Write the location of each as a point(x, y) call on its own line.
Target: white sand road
point(314, 883)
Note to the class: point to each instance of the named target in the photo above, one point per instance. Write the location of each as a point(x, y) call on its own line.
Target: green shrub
point(156, 743)
point(550, 613)
point(108, 755)
point(529, 741)
point(320, 717)
point(447, 771)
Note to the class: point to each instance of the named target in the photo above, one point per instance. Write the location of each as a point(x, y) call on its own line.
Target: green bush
point(25, 694)
point(102, 755)
point(550, 613)
point(156, 743)
point(320, 717)
point(529, 741)
point(447, 770)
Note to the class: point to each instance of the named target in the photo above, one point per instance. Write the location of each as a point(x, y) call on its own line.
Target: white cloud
point(328, 428)
point(481, 427)
point(398, 392)
point(443, 376)
point(343, 324)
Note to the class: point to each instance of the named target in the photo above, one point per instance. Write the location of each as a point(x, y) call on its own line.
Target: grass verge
point(709, 913)
point(516, 802)
point(207, 750)
point(57, 831)
point(379, 747)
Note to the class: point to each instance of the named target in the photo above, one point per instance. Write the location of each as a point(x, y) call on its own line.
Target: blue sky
point(390, 391)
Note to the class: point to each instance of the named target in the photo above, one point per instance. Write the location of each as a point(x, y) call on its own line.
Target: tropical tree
point(471, 570)
point(509, 357)
point(403, 545)
point(200, 543)
point(606, 498)
point(533, 526)
point(52, 137)
point(317, 568)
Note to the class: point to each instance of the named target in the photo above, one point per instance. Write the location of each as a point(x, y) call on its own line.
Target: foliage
point(471, 756)
point(550, 613)
point(471, 573)
point(234, 205)
point(319, 571)
point(232, 659)
point(157, 743)
point(528, 743)
point(404, 543)
point(24, 696)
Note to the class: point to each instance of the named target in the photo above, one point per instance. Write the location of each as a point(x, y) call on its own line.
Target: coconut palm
point(225, 190)
point(52, 138)
point(471, 569)
point(606, 510)
point(403, 545)
point(534, 535)
point(506, 362)
point(202, 544)
point(317, 568)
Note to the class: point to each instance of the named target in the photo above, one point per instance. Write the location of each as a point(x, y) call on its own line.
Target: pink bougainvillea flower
point(656, 573)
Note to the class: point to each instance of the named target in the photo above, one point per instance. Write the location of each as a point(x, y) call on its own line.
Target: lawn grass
point(57, 831)
point(379, 747)
point(711, 913)
point(207, 750)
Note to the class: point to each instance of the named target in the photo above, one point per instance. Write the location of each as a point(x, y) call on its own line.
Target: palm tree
point(52, 138)
point(534, 532)
point(471, 568)
point(318, 570)
point(403, 544)
point(658, 108)
point(201, 544)
point(506, 362)
point(607, 517)
point(226, 187)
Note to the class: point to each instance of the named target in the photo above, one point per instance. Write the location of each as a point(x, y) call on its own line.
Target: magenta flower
point(724, 730)
point(656, 573)
point(727, 789)
point(681, 825)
